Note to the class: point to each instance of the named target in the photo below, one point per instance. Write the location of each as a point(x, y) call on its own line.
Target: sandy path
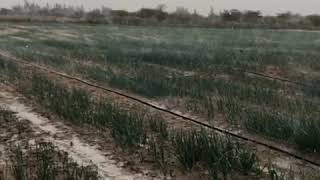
point(62, 136)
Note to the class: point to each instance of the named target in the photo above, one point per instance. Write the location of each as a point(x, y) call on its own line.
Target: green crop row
point(207, 94)
point(133, 130)
point(39, 161)
point(43, 161)
point(302, 130)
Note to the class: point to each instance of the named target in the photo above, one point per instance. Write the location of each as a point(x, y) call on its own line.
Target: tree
point(314, 19)
point(95, 16)
point(162, 15)
point(211, 15)
point(57, 10)
point(161, 7)
point(45, 11)
point(120, 13)
point(4, 11)
point(147, 13)
point(182, 11)
point(252, 16)
point(79, 12)
point(284, 16)
point(182, 15)
point(106, 11)
point(231, 15)
point(31, 8)
point(18, 10)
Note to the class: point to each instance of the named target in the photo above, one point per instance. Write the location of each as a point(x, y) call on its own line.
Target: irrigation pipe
point(185, 118)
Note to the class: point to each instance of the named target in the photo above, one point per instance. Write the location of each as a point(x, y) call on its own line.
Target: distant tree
point(133, 20)
point(252, 16)
point(58, 10)
point(161, 15)
point(182, 11)
point(106, 11)
point(270, 20)
point(314, 19)
point(44, 11)
point(120, 13)
point(95, 16)
point(120, 17)
point(31, 8)
point(182, 15)
point(4, 11)
point(156, 14)
point(289, 20)
point(79, 12)
point(197, 19)
point(196, 16)
point(284, 16)
point(147, 13)
point(195, 13)
point(151, 16)
point(161, 7)
point(211, 14)
point(231, 15)
point(18, 10)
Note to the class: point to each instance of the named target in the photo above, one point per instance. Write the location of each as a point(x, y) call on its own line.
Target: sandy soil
point(21, 39)
point(9, 31)
point(67, 140)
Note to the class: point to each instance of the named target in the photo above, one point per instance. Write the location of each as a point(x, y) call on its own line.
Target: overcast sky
point(202, 6)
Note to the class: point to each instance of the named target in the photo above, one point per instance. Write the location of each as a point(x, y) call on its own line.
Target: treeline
point(159, 16)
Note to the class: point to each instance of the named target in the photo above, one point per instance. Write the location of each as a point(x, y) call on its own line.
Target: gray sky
point(202, 6)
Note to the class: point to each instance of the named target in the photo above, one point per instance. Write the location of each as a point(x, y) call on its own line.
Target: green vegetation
point(199, 71)
point(39, 161)
point(43, 161)
point(157, 125)
point(158, 16)
point(220, 155)
point(308, 134)
point(195, 70)
point(8, 69)
point(134, 131)
point(75, 105)
point(275, 126)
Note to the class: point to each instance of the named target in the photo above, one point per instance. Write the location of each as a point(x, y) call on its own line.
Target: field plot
point(35, 147)
point(261, 84)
